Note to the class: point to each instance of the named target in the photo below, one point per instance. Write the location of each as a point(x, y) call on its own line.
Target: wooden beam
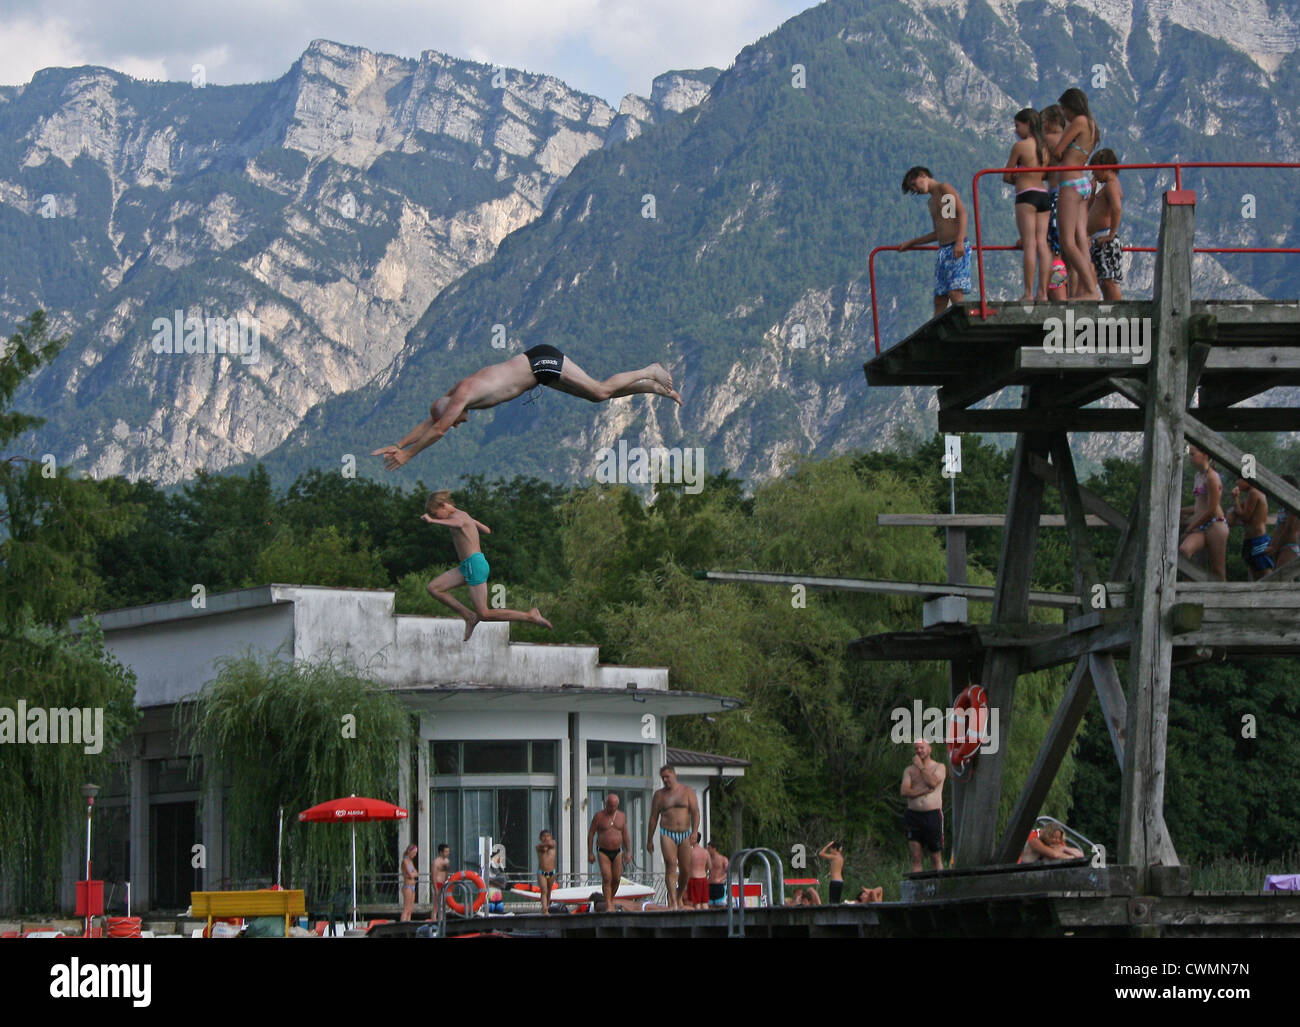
point(1143, 839)
point(983, 786)
point(1109, 419)
point(1287, 572)
point(1065, 647)
point(1198, 433)
point(1085, 565)
point(917, 589)
point(964, 521)
point(1051, 753)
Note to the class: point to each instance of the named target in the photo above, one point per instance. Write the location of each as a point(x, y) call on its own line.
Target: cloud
point(607, 47)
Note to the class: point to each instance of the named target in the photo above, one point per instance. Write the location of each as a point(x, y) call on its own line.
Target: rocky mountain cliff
point(326, 209)
point(729, 242)
point(748, 277)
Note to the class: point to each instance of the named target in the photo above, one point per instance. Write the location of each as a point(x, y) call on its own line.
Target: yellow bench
point(215, 904)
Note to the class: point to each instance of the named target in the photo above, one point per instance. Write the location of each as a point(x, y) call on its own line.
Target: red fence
point(984, 310)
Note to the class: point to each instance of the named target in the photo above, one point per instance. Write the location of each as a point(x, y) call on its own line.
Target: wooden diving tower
point(1230, 352)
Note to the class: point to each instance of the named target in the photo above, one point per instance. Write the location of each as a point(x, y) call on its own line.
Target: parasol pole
point(279, 845)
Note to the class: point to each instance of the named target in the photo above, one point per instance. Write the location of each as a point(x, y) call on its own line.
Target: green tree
point(294, 735)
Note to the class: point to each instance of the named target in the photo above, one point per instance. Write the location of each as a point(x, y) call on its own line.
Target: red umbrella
point(353, 808)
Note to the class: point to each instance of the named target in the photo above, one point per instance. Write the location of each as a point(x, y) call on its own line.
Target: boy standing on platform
point(952, 266)
point(1104, 211)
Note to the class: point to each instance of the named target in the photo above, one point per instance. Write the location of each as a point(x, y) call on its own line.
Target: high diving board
point(918, 589)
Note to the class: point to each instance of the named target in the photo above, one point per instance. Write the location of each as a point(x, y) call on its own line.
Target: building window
point(494, 757)
point(616, 759)
point(500, 788)
point(511, 817)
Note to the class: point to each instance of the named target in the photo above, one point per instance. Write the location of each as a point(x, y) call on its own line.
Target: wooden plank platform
point(1255, 347)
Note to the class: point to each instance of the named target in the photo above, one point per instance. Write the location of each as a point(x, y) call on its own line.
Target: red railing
point(984, 310)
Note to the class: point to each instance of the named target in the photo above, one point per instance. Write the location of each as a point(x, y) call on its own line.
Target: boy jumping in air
point(952, 268)
point(473, 569)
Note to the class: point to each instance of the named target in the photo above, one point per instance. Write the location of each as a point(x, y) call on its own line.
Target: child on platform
point(1077, 142)
point(1033, 205)
point(952, 265)
point(1104, 211)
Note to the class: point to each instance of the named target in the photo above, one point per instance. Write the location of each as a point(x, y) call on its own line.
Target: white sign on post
point(951, 456)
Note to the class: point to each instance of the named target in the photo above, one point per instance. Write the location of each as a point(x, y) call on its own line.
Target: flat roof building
point(514, 737)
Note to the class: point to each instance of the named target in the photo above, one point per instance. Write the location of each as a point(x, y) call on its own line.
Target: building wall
point(174, 659)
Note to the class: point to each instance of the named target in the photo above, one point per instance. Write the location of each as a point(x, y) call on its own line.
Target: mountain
point(768, 199)
point(326, 209)
point(769, 185)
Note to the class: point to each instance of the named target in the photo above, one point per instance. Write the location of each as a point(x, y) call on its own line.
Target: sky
point(605, 47)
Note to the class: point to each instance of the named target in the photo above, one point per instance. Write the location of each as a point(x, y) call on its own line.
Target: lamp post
point(88, 792)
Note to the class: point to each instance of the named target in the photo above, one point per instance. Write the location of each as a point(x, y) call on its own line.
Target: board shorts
point(697, 890)
point(951, 273)
point(1255, 552)
point(474, 569)
point(1107, 259)
point(717, 894)
point(837, 891)
point(546, 363)
point(926, 827)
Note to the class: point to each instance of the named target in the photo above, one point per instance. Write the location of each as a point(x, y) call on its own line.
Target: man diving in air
point(499, 383)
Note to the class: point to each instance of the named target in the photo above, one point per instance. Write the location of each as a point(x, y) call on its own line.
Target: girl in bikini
point(1033, 206)
point(1285, 546)
point(1053, 122)
point(1207, 526)
point(409, 878)
point(1077, 142)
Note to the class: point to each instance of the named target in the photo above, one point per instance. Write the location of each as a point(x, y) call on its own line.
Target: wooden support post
point(1074, 704)
point(1143, 839)
point(1002, 666)
point(959, 671)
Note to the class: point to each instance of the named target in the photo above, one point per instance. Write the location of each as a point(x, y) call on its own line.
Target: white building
point(514, 737)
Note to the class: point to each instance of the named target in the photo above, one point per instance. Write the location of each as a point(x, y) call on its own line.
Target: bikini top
point(1198, 485)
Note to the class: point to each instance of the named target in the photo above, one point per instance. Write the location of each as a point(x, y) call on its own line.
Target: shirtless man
point(500, 383)
point(608, 832)
point(473, 569)
point(441, 871)
point(833, 853)
point(923, 820)
point(952, 264)
point(1251, 510)
point(545, 868)
point(718, 866)
point(697, 885)
point(676, 811)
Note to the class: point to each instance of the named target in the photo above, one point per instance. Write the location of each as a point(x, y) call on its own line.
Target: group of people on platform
point(1205, 524)
point(1068, 221)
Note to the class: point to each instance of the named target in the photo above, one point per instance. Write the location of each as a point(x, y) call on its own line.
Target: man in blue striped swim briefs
point(473, 568)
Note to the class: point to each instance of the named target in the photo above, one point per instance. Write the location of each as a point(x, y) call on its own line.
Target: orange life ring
point(961, 751)
point(465, 875)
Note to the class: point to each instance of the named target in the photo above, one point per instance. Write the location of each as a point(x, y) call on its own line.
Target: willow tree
point(293, 735)
point(41, 776)
point(50, 524)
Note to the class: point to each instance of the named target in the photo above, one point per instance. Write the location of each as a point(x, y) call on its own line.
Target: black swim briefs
point(926, 827)
point(546, 363)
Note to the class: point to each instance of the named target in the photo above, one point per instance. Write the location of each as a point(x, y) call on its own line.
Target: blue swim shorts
point(474, 569)
point(951, 273)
